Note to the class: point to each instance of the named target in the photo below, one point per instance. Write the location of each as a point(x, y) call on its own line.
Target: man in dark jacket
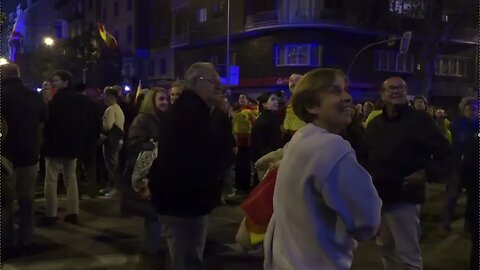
point(25, 114)
point(86, 164)
point(401, 148)
point(471, 184)
point(463, 129)
point(66, 137)
point(184, 179)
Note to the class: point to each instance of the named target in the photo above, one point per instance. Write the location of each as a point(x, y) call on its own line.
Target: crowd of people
point(342, 172)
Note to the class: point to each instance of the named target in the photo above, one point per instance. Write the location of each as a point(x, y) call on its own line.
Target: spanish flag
point(139, 89)
point(107, 37)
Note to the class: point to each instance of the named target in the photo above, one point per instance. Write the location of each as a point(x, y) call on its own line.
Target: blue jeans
point(110, 155)
point(23, 183)
point(186, 241)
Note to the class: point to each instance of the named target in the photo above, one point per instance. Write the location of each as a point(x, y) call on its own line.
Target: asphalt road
point(104, 240)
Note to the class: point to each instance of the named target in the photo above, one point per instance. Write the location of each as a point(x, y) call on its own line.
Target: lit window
point(451, 66)
point(298, 55)
point(202, 15)
point(394, 62)
point(409, 8)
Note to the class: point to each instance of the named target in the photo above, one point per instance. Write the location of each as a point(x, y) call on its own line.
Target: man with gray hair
point(25, 113)
point(185, 182)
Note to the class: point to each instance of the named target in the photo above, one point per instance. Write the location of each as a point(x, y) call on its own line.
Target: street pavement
point(105, 240)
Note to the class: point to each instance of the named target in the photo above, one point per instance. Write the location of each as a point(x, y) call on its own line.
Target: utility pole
point(227, 62)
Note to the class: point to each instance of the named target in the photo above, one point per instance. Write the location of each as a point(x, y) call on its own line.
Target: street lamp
point(48, 41)
point(3, 61)
point(404, 45)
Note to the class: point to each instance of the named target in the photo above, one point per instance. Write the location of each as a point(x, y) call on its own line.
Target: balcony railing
point(468, 35)
point(274, 18)
point(178, 4)
point(179, 40)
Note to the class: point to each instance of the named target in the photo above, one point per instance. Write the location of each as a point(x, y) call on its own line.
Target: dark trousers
point(110, 155)
point(475, 252)
point(243, 169)
point(87, 172)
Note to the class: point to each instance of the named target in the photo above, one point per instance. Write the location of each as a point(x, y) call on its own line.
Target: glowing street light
point(3, 61)
point(48, 41)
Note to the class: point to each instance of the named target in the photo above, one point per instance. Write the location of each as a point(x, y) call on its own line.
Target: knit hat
point(422, 98)
point(466, 101)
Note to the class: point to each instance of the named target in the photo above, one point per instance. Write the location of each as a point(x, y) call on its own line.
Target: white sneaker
point(113, 194)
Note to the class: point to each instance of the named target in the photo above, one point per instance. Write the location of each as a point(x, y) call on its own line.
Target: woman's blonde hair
point(148, 103)
point(311, 86)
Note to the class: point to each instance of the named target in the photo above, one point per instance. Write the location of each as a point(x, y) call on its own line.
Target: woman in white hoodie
point(324, 199)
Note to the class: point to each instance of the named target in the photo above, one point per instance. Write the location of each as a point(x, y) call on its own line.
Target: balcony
point(178, 4)
point(464, 35)
point(179, 40)
point(307, 17)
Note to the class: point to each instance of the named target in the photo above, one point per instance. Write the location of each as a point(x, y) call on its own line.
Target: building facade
point(270, 39)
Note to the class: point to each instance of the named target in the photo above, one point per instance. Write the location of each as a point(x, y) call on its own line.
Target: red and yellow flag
point(107, 37)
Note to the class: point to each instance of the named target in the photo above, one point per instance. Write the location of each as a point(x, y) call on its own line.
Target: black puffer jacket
point(266, 135)
point(394, 148)
point(68, 131)
point(185, 178)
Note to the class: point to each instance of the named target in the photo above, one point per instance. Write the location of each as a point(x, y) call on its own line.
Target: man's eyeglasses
point(214, 82)
point(396, 87)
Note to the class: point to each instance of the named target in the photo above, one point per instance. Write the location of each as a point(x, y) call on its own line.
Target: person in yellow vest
point(243, 120)
point(376, 112)
point(292, 123)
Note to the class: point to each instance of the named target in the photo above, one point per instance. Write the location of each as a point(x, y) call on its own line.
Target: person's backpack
point(114, 137)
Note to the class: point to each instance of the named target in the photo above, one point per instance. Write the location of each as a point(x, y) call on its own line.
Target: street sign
point(405, 41)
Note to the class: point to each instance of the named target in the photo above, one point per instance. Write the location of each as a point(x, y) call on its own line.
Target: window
point(115, 9)
point(408, 8)
point(163, 65)
point(129, 4)
point(218, 9)
point(202, 15)
point(393, 62)
point(451, 66)
point(129, 34)
point(104, 14)
point(90, 4)
point(151, 68)
point(298, 55)
point(116, 35)
point(80, 7)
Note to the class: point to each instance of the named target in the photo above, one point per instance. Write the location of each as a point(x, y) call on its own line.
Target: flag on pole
point(139, 89)
point(107, 37)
